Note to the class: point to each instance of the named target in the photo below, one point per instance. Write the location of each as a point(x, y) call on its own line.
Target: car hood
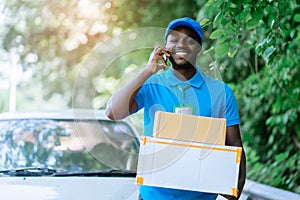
point(68, 188)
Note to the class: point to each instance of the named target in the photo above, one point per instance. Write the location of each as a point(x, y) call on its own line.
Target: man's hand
point(153, 65)
point(122, 103)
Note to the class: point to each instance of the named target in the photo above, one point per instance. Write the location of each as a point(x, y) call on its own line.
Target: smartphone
point(166, 59)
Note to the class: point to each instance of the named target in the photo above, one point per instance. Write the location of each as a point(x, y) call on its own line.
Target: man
point(183, 85)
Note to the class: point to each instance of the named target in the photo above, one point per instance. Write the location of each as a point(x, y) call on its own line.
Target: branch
point(295, 139)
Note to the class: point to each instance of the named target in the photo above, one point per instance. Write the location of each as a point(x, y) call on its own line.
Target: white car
point(76, 154)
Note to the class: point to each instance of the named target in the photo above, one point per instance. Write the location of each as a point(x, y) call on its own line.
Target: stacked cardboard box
point(189, 128)
point(188, 152)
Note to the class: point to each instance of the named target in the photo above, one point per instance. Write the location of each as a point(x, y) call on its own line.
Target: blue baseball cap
point(187, 22)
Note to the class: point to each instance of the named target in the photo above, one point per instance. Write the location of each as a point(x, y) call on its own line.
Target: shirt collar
point(195, 81)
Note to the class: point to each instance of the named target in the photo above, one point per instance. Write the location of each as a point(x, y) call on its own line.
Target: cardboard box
point(189, 128)
point(188, 165)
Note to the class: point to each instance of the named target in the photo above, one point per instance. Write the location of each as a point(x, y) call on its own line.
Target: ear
point(199, 48)
point(166, 39)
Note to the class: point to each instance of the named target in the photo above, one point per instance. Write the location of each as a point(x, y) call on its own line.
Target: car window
point(76, 146)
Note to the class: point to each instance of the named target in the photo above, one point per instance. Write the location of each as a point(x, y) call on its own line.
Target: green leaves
point(216, 34)
point(265, 36)
point(297, 17)
point(204, 22)
point(242, 15)
point(232, 53)
point(268, 52)
point(224, 45)
point(217, 19)
point(252, 23)
point(256, 15)
point(221, 49)
point(234, 42)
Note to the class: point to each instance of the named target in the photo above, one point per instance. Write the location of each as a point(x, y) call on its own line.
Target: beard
point(183, 64)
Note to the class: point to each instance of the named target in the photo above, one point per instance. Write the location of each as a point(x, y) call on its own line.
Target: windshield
point(73, 146)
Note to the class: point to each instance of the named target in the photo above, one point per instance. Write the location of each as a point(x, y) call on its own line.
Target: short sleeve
point(139, 98)
point(232, 114)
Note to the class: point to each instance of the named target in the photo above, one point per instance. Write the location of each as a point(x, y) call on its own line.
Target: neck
point(184, 73)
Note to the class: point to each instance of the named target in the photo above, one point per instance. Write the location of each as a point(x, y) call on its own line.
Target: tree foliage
point(257, 42)
point(51, 38)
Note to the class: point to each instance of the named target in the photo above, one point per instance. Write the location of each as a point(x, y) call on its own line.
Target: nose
point(181, 42)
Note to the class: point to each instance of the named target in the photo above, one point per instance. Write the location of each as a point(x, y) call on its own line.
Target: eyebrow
point(178, 34)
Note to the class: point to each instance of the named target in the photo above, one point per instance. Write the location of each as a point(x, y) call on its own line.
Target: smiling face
point(182, 42)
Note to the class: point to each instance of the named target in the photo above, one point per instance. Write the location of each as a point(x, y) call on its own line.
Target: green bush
point(258, 45)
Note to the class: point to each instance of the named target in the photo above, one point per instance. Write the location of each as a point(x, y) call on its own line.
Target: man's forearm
point(242, 174)
point(121, 103)
point(233, 138)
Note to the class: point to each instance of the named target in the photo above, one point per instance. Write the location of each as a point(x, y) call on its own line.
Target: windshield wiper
point(101, 173)
point(29, 171)
point(44, 171)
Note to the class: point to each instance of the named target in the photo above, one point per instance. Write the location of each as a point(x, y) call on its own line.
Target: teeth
point(181, 53)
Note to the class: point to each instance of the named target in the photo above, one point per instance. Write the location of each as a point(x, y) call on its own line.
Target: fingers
point(160, 53)
point(166, 52)
point(159, 50)
point(157, 61)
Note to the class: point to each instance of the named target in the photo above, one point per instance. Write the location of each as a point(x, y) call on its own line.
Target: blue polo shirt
point(207, 96)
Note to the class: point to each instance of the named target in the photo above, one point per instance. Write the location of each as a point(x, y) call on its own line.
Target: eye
point(190, 41)
point(173, 40)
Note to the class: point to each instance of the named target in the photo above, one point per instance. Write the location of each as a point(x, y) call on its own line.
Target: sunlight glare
point(98, 27)
point(88, 10)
